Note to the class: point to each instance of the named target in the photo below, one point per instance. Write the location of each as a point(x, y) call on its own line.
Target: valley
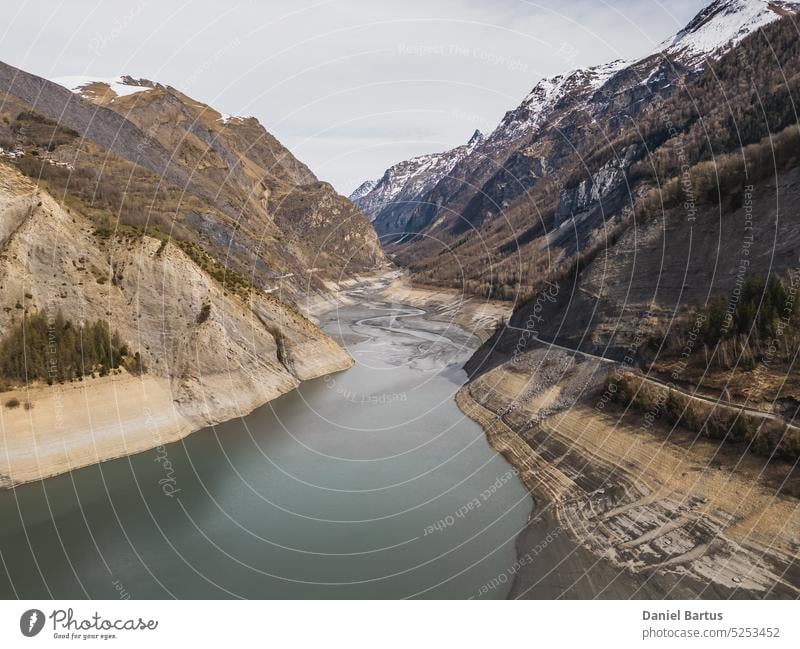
point(557, 361)
point(361, 484)
point(645, 231)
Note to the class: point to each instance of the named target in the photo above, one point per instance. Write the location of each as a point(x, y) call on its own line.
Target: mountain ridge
point(409, 178)
point(233, 188)
point(714, 30)
point(198, 239)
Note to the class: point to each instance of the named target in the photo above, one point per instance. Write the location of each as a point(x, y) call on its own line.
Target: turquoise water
point(366, 484)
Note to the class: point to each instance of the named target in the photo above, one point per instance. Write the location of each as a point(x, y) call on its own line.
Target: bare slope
point(157, 158)
point(200, 369)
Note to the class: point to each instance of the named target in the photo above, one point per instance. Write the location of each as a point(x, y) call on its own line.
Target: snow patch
point(363, 189)
point(723, 24)
point(118, 85)
point(227, 119)
point(411, 177)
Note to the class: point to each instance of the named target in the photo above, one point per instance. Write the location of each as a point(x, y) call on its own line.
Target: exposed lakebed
point(365, 484)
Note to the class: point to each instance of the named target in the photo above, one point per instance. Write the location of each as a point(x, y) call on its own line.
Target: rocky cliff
point(141, 154)
point(386, 201)
point(197, 237)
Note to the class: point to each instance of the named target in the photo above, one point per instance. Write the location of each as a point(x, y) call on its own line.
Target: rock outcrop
point(195, 235)
point(199, 370)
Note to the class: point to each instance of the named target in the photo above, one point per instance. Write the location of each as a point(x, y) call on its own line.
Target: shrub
point(135, 364)
point(228, 278)
point(205, 312)
point(764, 315)
point(719, 422)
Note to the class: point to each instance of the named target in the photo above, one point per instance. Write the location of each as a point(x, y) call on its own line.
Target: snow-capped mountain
point(422, 191)
point(410, 178)
point(539, 104)
point(722, 25)
point(363, 189)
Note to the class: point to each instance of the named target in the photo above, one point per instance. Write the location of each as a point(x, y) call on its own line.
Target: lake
point(366, 484)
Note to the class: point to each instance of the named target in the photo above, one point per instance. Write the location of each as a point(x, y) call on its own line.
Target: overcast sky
point(350, 86)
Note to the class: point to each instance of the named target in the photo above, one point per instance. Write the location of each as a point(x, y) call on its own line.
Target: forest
point(53, 349)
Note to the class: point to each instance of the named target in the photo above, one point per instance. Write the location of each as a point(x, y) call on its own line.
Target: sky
point(349, 86)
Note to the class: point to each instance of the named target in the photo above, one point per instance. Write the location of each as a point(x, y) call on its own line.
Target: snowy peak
point(554, 101)
point(717, 28)
point(540, 103)
point(723, 24)
point(409, 178)
point(363, 189)
point(477, 136)
point(533, 110)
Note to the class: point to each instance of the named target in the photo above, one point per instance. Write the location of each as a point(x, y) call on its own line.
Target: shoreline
point(550, 563)
point(73, 425)
point(558, 553)
point(305, 434)
point(636, 516)
point(131, 415)
point(212, 354)
point(61, 431)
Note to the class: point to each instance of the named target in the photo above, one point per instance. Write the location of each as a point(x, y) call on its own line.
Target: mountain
point(144, 155)
point(505, 210)
point(645, 222)
point(362, 190)
point(385, 200)
point(670, 206)
point(722, 25)
point(193, 239)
